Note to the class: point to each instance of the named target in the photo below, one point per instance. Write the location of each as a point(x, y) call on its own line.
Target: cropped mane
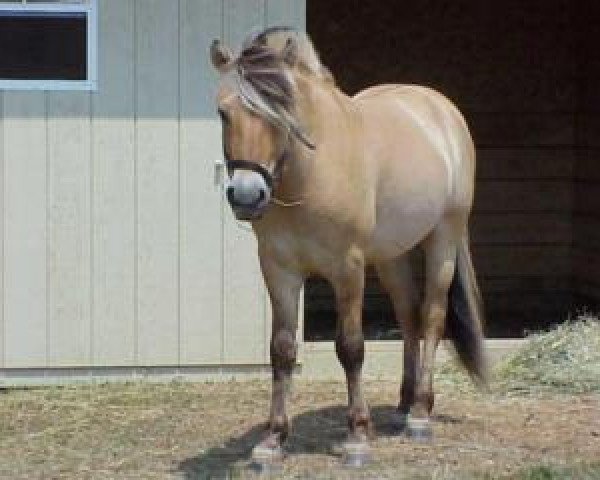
point(276, 38)
point(265, 82)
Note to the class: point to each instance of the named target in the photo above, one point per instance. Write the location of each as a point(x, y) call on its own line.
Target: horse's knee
point(283, 350)
point(350, 350)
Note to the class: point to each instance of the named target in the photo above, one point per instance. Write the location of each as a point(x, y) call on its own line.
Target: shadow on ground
point(313, 432)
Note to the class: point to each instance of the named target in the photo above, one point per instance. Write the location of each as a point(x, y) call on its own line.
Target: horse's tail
point(465, 317)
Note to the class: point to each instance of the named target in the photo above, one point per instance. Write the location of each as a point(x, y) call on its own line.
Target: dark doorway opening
point(525, 76)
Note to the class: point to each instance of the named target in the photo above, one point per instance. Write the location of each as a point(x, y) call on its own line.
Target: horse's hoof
point(266, 460)
point(266, 454)
point(356, 454)
point(419, 429)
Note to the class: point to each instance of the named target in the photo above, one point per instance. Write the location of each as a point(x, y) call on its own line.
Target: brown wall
point(514, 69)
point(586, 245)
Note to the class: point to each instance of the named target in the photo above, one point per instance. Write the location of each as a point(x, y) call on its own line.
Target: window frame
point(90, 9)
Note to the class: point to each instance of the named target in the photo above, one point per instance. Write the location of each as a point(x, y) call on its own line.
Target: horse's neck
point(321, 111)
point(314, 112)
point(321, 106)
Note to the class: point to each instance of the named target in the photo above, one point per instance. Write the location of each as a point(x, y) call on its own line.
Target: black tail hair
point(465, 318)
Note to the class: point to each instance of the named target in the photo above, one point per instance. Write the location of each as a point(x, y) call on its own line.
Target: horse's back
point(412, 95)
point(439, 121)
point(421, 101)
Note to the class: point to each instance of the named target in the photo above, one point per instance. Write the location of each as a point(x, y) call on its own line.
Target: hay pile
point(566, 359)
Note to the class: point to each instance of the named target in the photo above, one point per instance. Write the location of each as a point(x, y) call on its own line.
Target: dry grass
point(539, 421)
point(566, 359)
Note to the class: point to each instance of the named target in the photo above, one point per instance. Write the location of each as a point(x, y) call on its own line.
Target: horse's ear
point(289, 54)
point(220, 55)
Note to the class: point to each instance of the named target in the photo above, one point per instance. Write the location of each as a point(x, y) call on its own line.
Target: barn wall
point(586, 259)
point(117, 249)
point(510, 67)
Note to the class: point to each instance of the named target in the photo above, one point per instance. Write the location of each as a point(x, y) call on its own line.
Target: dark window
point(43, 46)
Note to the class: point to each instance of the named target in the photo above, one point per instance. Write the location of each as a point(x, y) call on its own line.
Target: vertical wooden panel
point(586, 248)
point(113, 199)
point(200, 194)
point(25, 228)
point(69, 324)
point(157, 23)
point(244, 296)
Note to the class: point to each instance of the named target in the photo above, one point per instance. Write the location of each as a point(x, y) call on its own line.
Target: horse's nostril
point(261, 195)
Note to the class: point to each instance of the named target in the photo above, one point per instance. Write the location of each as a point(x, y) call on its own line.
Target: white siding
point(157, 53)
point(201, 199)
point(117, 247)
point(286, 12)
point(25, 178)
point(113, 190)
point(69, 227)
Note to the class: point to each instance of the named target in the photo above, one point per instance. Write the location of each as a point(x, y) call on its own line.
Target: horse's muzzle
point(246, 211)
point(248, 191)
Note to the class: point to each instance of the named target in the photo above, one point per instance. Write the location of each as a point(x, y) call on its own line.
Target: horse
point(331, 184)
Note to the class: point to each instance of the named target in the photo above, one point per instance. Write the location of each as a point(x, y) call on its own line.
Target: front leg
point(348, 284)
point(284, 290)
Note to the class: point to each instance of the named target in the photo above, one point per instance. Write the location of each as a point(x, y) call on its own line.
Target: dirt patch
point(207, 430)
point(539, 420)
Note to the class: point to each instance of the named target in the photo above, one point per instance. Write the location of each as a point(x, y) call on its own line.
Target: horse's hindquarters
point(423, 155)
point(411, 189)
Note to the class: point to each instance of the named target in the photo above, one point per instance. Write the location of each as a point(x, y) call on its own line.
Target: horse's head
point(256, 104)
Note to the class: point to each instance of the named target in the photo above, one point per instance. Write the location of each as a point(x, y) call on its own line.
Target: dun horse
point(332, 184)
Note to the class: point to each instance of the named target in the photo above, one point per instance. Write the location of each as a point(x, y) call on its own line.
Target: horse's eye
point(224, 116)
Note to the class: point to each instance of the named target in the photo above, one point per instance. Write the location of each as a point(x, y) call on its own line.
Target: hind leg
point(397, 278)
point(440, 264)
